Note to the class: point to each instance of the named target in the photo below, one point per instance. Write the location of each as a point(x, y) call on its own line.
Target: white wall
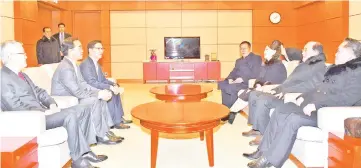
point(355, 19)
point(6, 20)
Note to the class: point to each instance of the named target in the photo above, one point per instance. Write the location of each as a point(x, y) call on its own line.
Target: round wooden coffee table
point(180, 118)
point(181, 92)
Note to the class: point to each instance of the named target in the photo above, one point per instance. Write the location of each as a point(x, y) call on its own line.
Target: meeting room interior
point(180, 83)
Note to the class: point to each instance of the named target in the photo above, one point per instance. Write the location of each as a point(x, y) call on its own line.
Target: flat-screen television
point(182, 48)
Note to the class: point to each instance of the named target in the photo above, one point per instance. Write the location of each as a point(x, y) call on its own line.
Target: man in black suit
point(61, 36)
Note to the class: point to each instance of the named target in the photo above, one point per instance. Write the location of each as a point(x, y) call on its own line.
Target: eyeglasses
point(19, 53)
point(99, 48)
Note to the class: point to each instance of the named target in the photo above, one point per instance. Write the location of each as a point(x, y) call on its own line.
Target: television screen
point(182, 47)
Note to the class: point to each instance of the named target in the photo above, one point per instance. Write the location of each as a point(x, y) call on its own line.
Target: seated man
point(19, 93)
point(271, 72)
point(247, 67)
point(68, 81)
point(340, 87)
point(94, 76)
point(303, 79)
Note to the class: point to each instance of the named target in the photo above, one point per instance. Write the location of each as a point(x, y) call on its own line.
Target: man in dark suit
point(247, 67)
point(61, 36)
point(19, 93)
point(94, 76)
point(340, 87)
point(47, 48)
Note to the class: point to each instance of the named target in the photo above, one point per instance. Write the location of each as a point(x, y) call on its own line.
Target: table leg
point(201, 135)
point(210, 150)
point(154, 148)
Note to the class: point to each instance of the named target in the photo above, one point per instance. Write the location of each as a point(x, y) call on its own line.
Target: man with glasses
point(47, 48)
point(68, 81)
point(19, 93)
point(94, 76)
point(247, 67)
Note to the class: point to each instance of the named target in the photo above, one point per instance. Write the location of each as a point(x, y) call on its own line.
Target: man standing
point(61, 36)
point(340, 87)
point(247, 67)
point(47, 48)
point(19, 93)
point(68, 81)
point(304, 78)
point(94, 76)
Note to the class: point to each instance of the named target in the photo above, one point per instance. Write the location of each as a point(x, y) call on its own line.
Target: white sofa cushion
point(53, 136)
point(65, 101)
point(40, 77)
point(50, 68)
point(308, 133)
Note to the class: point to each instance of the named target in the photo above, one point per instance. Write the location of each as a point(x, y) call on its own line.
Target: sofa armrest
point(291, 97)
point(331, 119)
point(251, 83)
point(268, 88)
point(112, 80)
point(22, 123)
point(65, 101)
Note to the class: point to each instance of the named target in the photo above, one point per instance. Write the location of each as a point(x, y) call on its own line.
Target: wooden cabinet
point(181, 71)
point(19, 152)
point(344, 152)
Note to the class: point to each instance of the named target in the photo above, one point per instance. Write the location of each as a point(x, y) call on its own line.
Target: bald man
point(305, 77)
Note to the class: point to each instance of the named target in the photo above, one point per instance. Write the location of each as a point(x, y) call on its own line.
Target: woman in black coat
point(272, 72)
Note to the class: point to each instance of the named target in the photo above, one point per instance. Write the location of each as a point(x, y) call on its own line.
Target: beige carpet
point(134, 152)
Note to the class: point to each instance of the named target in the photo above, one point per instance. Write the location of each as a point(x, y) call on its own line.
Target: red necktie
point(21, 76)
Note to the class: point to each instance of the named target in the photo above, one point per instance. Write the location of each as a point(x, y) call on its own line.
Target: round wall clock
point(275, 17)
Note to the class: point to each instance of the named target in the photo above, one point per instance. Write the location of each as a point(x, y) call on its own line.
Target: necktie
point(21, 76)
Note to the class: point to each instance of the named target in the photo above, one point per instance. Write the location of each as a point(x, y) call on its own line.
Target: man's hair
point(61, 24)
point(92, 44)
point(246, 42)
point(68, 44)
point(276, 45)
point(354, 45)
point(318, 47)
point(6, 48)
point(45, 28)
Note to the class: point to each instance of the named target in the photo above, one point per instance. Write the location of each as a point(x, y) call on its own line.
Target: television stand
point(181, 71)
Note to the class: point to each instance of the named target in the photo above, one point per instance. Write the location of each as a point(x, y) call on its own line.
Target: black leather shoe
point(92, 157)
point(110, 133)
point(121, 126)
point(261, 162)
point(232, 116)
point(127, 121)
point(251, 133)
point(81, 163)
point(254, 155)
point(110, 141)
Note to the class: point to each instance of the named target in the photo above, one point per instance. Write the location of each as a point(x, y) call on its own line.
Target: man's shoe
point(261, 162)
point(111, 133)
point(232, 116)
point(250, 133)
point(256, 141)
point(92, 157)
point(121, 126)
point(127, 121)
point(81, 163)
point(254, 155)
point(111, 140)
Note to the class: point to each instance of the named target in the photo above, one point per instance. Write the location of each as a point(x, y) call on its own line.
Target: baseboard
point(129, 80)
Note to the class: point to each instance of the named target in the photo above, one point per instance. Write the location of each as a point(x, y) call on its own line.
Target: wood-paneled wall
point(325, 22)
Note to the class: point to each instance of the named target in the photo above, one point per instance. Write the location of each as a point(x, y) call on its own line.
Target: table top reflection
point(181, 90)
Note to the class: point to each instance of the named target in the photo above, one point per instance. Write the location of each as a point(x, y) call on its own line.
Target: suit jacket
point(48, 51)
point(68, 82)
point(305, 77)
point(246, 68)
point(274, 73)
point(93, 78)
point(56, 36)
point(19, 95)
point(340, 87)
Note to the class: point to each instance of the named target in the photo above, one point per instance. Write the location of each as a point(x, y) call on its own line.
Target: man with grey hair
point(341, 82)
point(19, 93)
point(68, 81)
point(94, 76)
point(304, 78)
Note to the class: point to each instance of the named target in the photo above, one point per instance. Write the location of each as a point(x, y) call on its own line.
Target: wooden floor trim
point(291, 157)
point(68, 164)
